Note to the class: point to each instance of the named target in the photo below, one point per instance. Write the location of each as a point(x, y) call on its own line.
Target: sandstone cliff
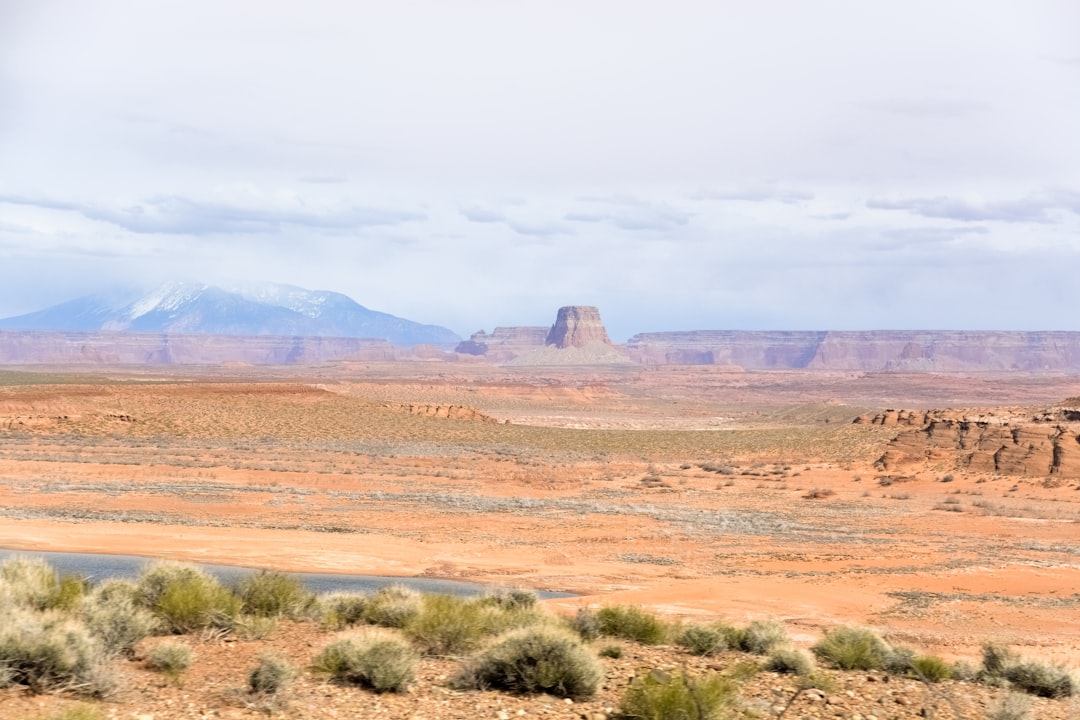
point(1039, 444)
point(868, 351)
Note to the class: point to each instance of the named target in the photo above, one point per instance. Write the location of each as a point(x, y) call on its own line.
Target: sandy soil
point(690, 490)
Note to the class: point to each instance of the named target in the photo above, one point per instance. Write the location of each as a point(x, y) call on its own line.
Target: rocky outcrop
point(1037, 444)
point(450, 412)
point(577, 326)
point(503, 343)
point(867, 351)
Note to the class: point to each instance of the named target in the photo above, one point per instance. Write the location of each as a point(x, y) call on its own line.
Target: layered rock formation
point(577, 326)
point(504, 343)
point(868, 351)
point(60, 348)
point(1046, 443)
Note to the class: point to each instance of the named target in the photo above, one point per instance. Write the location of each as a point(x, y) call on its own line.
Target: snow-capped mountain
point(264, 309)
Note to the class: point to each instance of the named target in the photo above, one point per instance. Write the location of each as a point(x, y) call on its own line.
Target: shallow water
point(98, 567)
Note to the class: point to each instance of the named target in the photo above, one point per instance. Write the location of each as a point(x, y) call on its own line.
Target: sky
point(476, 163)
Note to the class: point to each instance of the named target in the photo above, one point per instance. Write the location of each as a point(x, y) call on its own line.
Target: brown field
point(693, 491)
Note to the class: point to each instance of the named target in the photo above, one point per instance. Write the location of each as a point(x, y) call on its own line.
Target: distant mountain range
point(263, 309)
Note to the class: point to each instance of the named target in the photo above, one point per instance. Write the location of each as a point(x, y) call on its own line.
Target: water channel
point(97, 567)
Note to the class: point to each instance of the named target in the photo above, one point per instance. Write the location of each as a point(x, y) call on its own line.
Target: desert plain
point(696, 492)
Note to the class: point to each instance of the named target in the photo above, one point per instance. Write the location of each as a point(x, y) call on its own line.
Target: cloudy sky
point(681, 165)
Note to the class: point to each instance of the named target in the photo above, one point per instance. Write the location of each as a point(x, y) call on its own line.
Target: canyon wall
point(870, 351)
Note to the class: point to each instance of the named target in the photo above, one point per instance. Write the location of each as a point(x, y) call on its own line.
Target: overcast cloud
point(773, 165)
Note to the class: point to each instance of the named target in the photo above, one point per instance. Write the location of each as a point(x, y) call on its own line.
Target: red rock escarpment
point(868, 351)
point(1011, 443)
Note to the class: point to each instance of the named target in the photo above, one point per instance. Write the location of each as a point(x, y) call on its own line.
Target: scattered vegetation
point(377, 659)
point(274, 594)
point(51, 643)
point(171, 658)
point(658, 695)
point(852, 648)
point(631, 623)
point(271, 675)
point(702, 640)
point(535, 660)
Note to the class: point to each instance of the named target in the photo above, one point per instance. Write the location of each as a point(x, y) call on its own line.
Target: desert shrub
point(186, 598)
point(448, 625)
point(761, 636)
point(535, 660)
point(660, 696)
point(49, 652)
point(116, 620)
point(611, 651)
point(996, 659)
point(1011, 707)
point(171, 658)
point(377, 659)
point(631, 623)
point(250, 627)
point(393, 606)
point(510, 598)
point(962, 670)
point(35, 584)
point(585, 623)
point(115, 589)
point(930, 668)
point(852, 648)
point(342, 609)
point(1042, 680)
point(702, 640)
point(791, 661)
point(274, 594)
point(898, 660)
point(271, 675)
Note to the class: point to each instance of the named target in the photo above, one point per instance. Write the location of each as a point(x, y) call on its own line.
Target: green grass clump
point(271, 675)
point(660, 696)
point(631, 623)
point(535, 660)
point(611, 651)
point(170, 658)
point(449, 625)
point(50, 652)
point(378, 660)
point(790, 661)
point(702, 640)
point(274, 594)
point(931, 668)
point(186, 598)
point(852, 648)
